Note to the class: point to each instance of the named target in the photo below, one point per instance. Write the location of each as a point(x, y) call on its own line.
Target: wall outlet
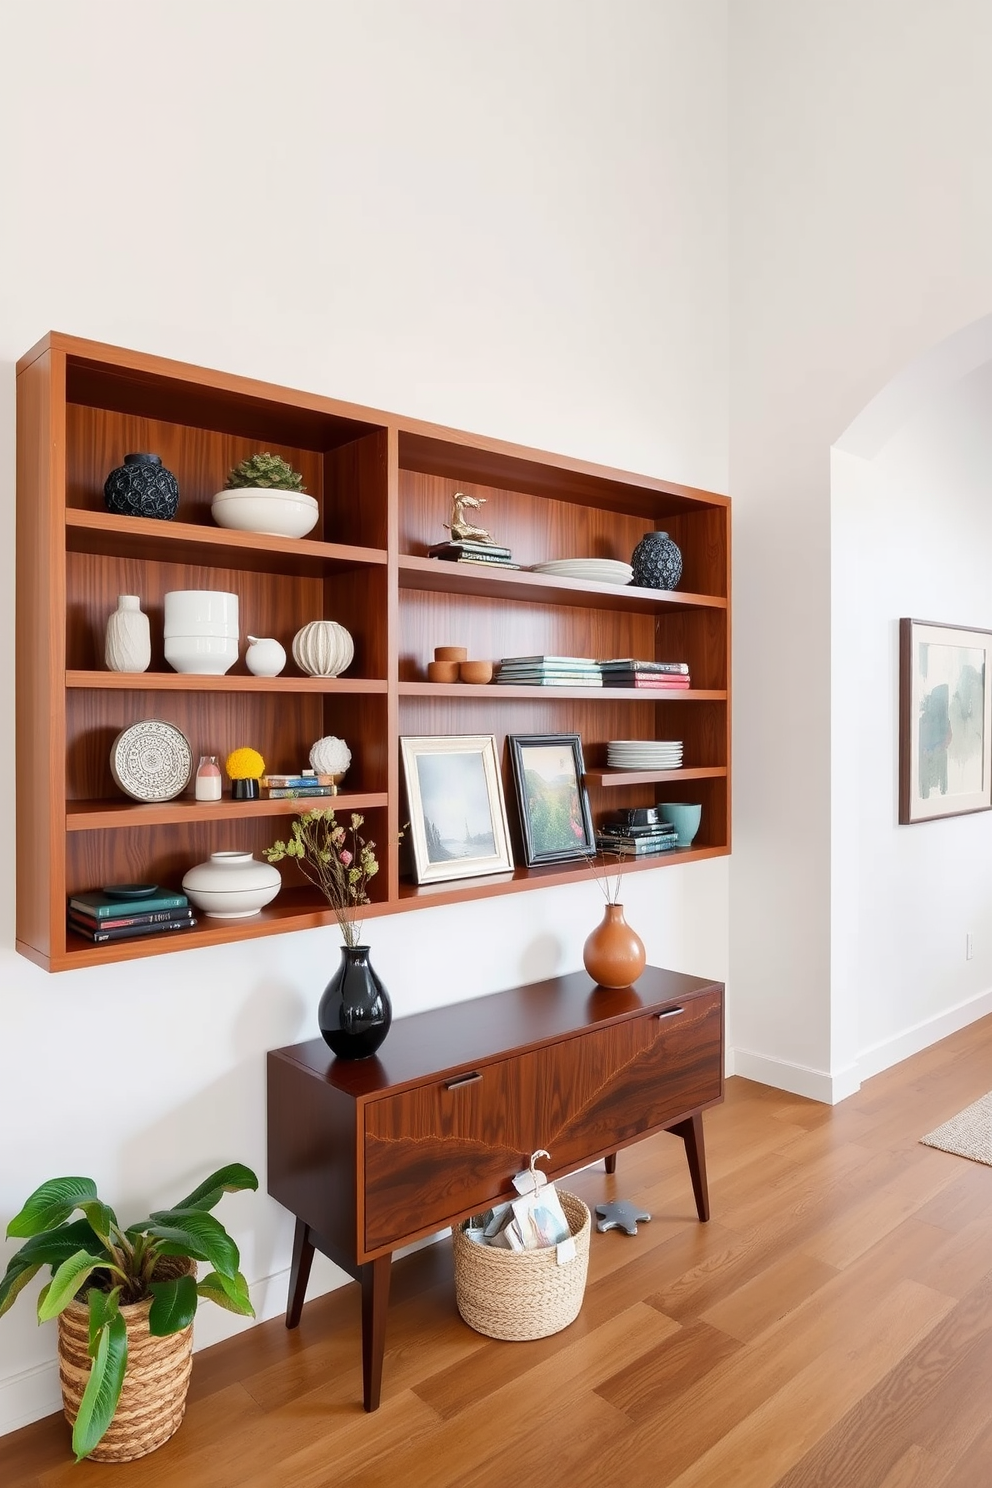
point(968, 946)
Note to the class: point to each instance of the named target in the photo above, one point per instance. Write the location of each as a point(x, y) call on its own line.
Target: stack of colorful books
point(306, 783)
point(549, 671)
point(464, 550)
point(635, 838)
point(100, 917)
point(628, 671)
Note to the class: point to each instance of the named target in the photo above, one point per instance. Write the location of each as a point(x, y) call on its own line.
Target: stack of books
point(306, 783)
point(101, 917)
point(464, 550)
point(549, 671)
point(628, 671)
point(629, 840)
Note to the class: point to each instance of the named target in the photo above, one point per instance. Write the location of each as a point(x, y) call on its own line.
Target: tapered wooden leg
point(691, 1132)
point(299, 1273)
point(375, 1300)
point(610, 1161)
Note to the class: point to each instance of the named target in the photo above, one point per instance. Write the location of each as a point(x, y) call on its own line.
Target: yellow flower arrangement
point(244, 764)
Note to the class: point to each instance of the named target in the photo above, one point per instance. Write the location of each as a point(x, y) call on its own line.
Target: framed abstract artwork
point(945, 721)
point(555, 823)
point(458, 826)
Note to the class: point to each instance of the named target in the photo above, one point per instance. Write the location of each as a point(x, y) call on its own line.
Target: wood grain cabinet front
point(609, 1087)
point(371, 1154)
point(442, 1148)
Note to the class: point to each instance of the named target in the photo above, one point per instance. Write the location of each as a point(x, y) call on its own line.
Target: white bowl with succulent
point(265, 494)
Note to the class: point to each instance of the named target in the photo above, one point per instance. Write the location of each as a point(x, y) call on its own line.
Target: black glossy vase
point(656, 561)
point(355, 1012)
point(142, 487)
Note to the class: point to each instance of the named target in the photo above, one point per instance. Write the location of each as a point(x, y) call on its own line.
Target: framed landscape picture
point(555, 821)
point(945, 721)
point(458, 826)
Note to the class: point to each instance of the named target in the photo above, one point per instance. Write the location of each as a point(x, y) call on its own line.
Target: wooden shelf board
point(149, 540)
point(436, 576)
point(645, 777)
point(419, 896)
point(196, 682)
point(493, 690)
point(97, 816)
point(295, 909)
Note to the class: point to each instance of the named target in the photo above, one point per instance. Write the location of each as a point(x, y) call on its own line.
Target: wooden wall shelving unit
point(384, 486)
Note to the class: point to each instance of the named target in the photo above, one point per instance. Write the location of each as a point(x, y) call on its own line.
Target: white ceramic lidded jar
point(232, 885)
point(128, 646)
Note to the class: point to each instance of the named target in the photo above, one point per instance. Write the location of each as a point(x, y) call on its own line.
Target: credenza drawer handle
point(670, 1013)
point(462, 1080)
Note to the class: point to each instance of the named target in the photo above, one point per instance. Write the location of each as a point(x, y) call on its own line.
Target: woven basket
point(153, 1396)
point(522, 1294)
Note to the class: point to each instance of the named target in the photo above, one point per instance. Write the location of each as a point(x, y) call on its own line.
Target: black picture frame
point(552, 802)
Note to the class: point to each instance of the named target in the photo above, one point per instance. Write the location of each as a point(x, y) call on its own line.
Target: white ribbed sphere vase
point(323, 648)
point(128, 645)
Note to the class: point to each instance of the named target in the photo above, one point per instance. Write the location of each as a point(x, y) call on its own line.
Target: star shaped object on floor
point(620, 1215)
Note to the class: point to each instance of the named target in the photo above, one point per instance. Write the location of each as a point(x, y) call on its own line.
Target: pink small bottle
point(209, 783)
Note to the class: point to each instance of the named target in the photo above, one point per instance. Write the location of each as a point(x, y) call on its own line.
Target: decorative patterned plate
point(151, 760)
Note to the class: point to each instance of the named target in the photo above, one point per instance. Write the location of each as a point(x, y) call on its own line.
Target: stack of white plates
point(602, 570)
point(644, 754)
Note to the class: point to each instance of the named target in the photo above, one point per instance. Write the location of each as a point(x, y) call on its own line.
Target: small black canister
point(142, 487)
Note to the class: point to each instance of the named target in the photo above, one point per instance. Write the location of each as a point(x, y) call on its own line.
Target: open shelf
point(384, 486)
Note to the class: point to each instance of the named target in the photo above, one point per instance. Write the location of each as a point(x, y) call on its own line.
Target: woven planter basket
point(153, 1396)
point(522, 1294)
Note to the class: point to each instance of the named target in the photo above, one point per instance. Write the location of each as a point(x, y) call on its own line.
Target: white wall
point(861, 235)
point(507, 218)
point(912, 530)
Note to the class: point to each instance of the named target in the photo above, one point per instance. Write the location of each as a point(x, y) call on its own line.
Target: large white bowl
point(204, 612)
point(232, 885)
point(273, 513)
point(206, 655)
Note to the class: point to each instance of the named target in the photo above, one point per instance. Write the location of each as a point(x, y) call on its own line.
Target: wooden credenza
point(372, 1154)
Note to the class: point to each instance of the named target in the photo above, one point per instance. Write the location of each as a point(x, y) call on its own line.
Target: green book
point(101, 906)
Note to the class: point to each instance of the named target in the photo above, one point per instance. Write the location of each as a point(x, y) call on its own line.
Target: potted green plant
point(125, 1300)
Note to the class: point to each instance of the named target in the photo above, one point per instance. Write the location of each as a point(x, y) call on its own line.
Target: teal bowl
point(684, 818)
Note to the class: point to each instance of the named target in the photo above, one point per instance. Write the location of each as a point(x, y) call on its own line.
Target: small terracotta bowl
point(442, 671)
point(450, 653)
point(476, 671)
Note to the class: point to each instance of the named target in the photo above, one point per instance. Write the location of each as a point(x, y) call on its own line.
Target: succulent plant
point(269, 472)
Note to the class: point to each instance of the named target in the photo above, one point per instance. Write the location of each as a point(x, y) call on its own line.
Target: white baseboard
point(797, 1079)
point(887, 1052)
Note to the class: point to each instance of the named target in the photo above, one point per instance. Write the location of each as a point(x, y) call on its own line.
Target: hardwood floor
point(831, 1327)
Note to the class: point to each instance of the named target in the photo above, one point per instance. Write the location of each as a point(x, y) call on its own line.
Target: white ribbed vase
point(323, 648)
point(129, 645)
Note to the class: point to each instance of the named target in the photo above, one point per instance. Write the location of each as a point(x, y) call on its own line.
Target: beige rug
point(969, 1134)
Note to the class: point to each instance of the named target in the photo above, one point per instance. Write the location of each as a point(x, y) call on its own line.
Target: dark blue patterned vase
point(657, 562)
point(355, 1012)
point(142, 487)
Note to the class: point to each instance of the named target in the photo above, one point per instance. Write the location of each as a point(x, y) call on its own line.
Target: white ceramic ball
point(323, 648)
point(264, 657)
point(330, 756)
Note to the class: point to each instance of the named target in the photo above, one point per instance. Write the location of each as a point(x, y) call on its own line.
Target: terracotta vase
point(614, 955)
